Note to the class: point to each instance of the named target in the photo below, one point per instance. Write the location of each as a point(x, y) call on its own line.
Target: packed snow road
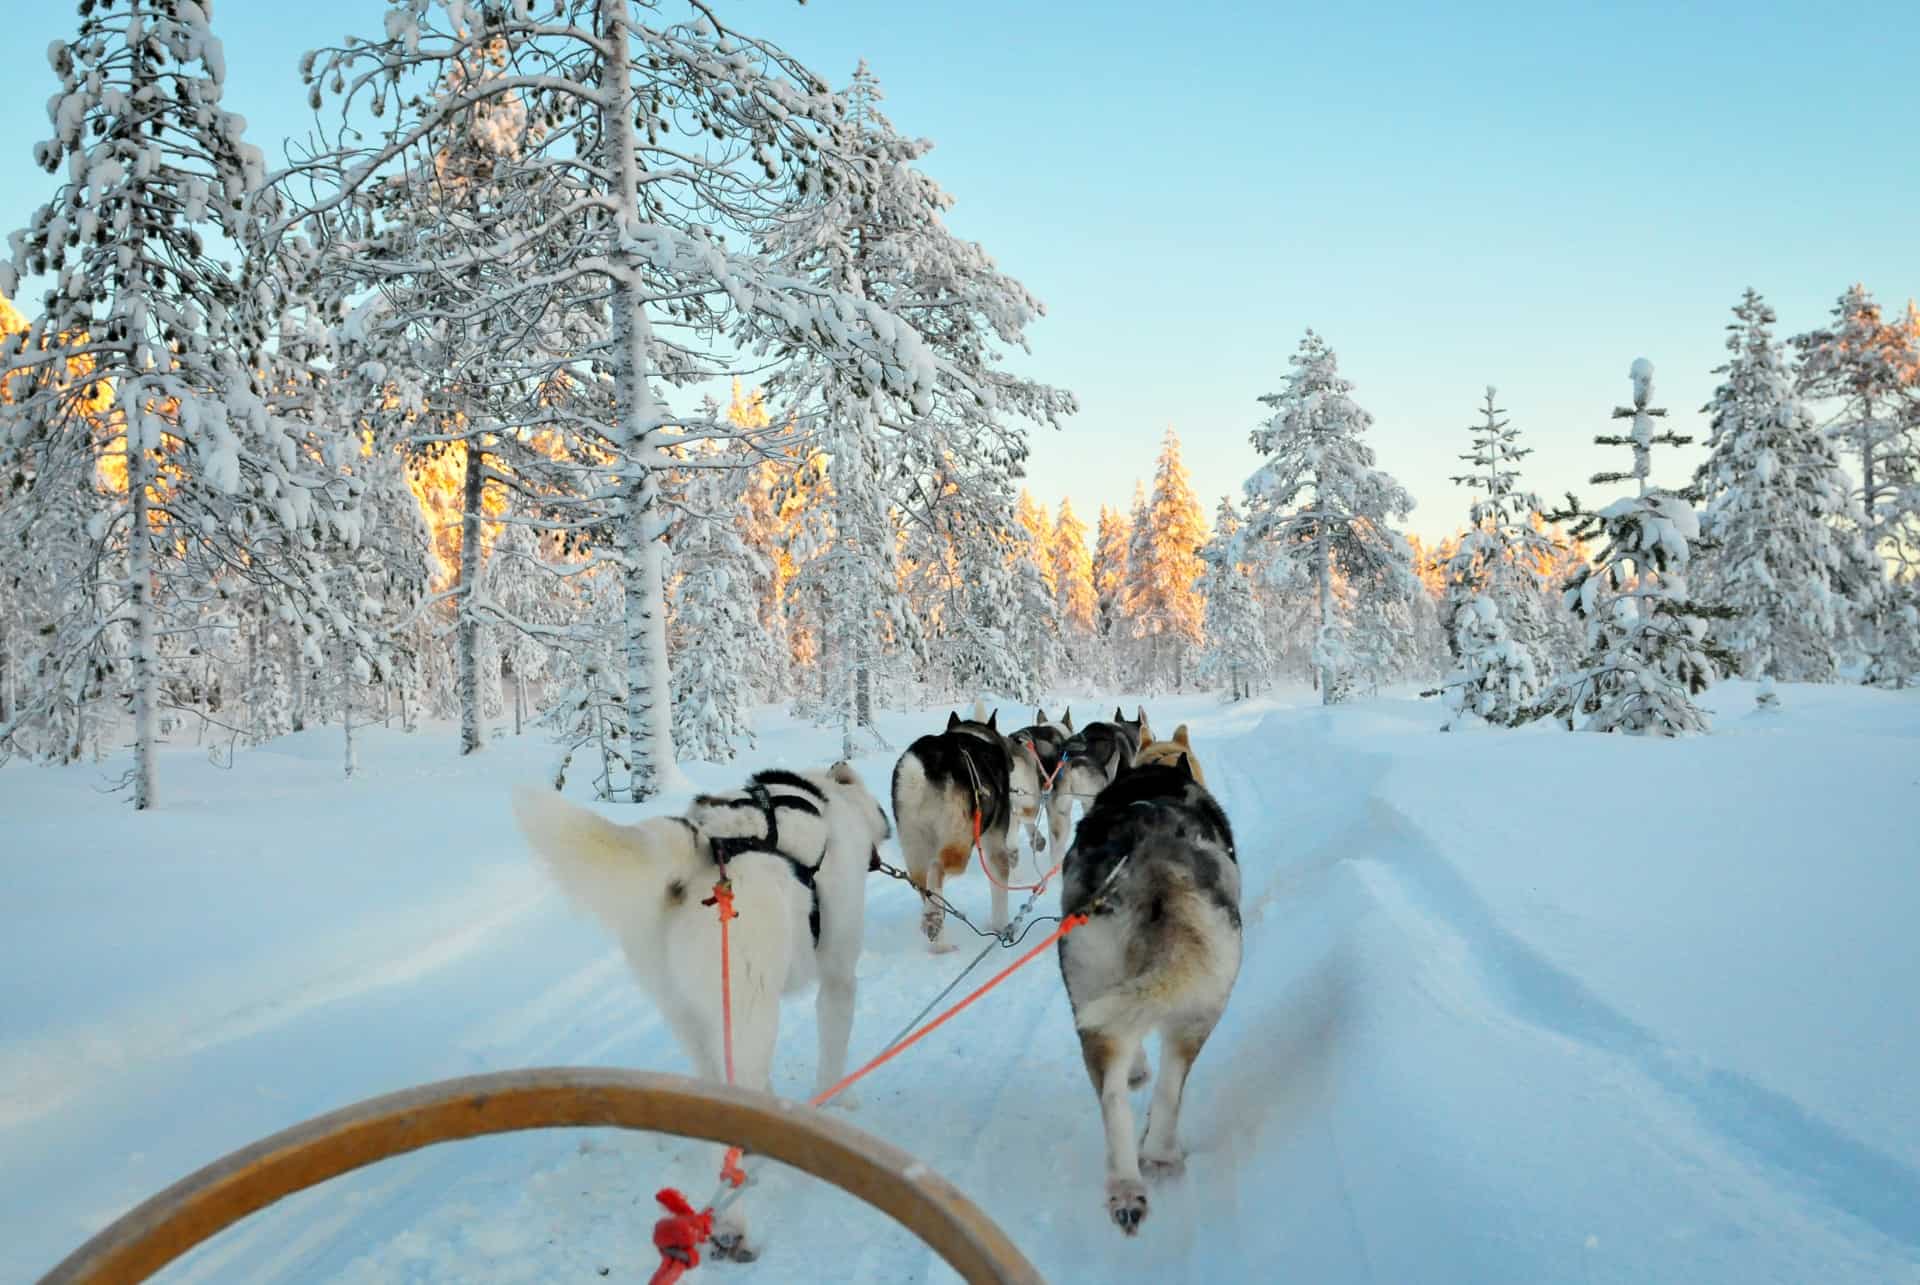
point(1526, 1007)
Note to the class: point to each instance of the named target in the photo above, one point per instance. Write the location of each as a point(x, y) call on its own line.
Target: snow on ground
point(1515, 1007)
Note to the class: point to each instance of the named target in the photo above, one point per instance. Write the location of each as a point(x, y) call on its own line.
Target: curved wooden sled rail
point(158, 1231)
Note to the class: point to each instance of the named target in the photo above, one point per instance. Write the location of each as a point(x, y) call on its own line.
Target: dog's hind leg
point(1180, 1044)
point(1108, 1059)
point(834, 1011)
point(999, 853)
point(933, 920)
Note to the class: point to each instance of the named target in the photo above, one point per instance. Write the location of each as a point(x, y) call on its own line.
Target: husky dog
point(1153, 864)
point(796, 848)
point(1171, 751)
point(1092, 757)
point(1036, 763)
point(939, 785)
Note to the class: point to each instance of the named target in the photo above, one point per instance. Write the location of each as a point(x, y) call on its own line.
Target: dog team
point(1151, 864)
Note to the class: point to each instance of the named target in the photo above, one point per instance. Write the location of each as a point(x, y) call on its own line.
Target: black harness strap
point(727, 847)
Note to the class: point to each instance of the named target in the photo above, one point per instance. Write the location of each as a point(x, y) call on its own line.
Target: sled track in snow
point(1817, 1159)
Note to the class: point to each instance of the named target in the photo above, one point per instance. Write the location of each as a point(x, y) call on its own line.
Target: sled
point(161, 1229)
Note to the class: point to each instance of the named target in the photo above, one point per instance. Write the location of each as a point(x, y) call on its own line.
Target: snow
point(1478, 1036)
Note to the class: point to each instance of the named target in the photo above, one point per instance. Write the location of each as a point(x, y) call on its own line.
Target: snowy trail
point(1429, 1071)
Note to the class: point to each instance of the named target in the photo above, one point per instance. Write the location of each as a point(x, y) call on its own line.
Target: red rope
point(679, 1236)
point(994, 879)
point(722, 899)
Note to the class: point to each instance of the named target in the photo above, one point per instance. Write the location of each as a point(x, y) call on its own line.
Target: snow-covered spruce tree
point(1782, 553)
point(1500, 645)
point(589, 714)
point(1074, 592)
point(1648, 649)
point(1320, 509)
point(1164, 571)
point(204, 482)
point(715, 628)
point(529, 603)
point(661, 137)
point(1237, 657)
point(1038, 525)
point(1868, 370)
point(989, 623)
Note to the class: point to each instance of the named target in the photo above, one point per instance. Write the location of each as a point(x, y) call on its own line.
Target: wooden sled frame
point(159, 1230)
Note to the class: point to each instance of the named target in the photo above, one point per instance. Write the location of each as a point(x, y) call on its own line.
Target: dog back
point(969, 761)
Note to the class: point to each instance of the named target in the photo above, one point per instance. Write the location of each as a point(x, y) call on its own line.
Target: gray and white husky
point(796, 848)
point(938, 786)
point(1153, 866)
point(1092, 757)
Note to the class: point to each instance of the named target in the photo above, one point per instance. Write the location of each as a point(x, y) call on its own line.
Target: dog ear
point(953, 720)
point(1066, 719)
point(1140, 714)
point(1118, 717)
point(993, 719)
point(1180, 736)
point(843, 772)
point(1185, 767)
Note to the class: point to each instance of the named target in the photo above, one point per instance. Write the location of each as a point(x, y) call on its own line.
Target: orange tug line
point(679, 1236)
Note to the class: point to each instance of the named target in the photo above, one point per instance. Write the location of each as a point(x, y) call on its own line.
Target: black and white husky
point(1092, 757)
point(1153, 865)
point(796, 848)
point(939, 785)
point(1036, 766)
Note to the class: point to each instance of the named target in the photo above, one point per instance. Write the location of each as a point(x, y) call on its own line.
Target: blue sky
point(1524, 195)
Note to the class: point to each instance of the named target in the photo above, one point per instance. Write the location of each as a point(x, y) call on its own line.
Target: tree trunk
point(297, 680)
point(639, 544)
point(345, 666)
point(473, 733)
point(140, 602)
point(1323, 594)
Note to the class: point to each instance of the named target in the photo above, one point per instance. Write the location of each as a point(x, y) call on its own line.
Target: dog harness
point(727, 847)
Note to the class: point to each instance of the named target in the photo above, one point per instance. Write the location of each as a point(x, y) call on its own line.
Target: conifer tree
point(1237, 656)
point(1782, 554)
point(1164, 569)
point(1868, 369)
point(1074, 592)
point(1038, 525)
point(1318, 510)
point(1498, 638)
point(1648, 650)
point(1115, 535)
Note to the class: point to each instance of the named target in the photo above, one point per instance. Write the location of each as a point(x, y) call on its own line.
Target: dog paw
point(1167, 1166)
point(730, 1241)
point(1127, 1203)
point(942, 948)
